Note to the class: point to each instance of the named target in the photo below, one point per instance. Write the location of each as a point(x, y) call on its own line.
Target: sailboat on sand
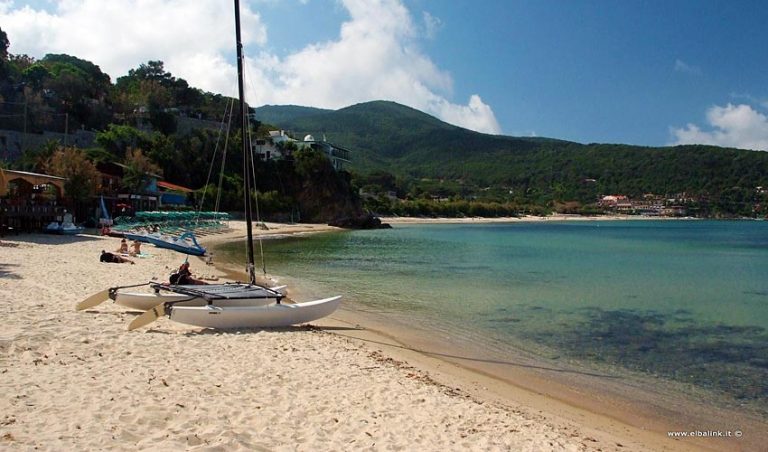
point(230, 305)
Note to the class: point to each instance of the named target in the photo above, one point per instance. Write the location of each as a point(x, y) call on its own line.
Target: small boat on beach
point(64, 228)
point(186, 243)
point(53, 227)
point(225, 306)
point(70, 229)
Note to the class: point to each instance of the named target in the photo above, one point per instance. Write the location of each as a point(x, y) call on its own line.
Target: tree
point(4, 44)
point(310, 162)
point(149, 86)
point(99, 83)
point(36, 159)
point(117, 139)
point(82, 176)
point(138, 166)
point(35, 75)
point(153, 70)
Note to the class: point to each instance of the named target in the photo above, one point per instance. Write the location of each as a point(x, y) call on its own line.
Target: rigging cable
point(229, 109)
point(253, 175)
point(256, 194)
point(224, 156)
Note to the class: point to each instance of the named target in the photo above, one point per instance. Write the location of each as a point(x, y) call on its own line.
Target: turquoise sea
point(685, 301)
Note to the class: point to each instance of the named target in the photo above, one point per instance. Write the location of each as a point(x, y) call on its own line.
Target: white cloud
point(120, 35)
point(375, 55)
point(432, 25)
point(475, 116)
point(685, 68)
point(738, 126)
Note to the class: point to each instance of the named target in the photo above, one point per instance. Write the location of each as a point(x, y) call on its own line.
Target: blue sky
point(638, 72)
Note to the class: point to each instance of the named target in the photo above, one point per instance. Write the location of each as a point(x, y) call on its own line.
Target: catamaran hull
point(161, 241)
point(269, 316)
point(194, 251)
point(186, 243)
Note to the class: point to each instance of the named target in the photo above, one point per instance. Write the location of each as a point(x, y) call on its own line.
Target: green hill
point(276, 114)
point(386, 136)
point(392, 137)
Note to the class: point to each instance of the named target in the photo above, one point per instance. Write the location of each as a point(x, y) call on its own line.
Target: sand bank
point(79, 381)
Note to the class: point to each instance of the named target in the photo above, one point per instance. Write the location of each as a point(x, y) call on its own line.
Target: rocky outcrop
point(364, 221)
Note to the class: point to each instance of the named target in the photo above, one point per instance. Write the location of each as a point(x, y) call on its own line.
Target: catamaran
point(230, 305)
point(185, 243)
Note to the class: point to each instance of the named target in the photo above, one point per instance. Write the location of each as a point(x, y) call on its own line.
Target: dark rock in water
point(365, 221)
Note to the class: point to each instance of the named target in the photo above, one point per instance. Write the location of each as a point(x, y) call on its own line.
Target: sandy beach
point(79, 381)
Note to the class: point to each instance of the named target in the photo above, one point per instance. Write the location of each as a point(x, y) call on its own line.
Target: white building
point(276, 147)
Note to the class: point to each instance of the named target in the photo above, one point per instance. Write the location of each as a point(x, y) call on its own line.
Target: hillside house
point(278, 146)
point(618, 203)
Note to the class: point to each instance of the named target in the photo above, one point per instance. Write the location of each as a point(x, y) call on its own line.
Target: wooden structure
point(29, 201)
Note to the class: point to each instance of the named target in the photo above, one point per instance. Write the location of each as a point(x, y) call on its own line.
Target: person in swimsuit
point(123, 247)
point(113, 258)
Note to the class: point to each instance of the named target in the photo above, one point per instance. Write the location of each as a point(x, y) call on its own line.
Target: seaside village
point(650, 205)
point(31, 202)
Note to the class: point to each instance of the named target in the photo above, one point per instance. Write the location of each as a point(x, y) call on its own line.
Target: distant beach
point(525, 218)
point(79, 380)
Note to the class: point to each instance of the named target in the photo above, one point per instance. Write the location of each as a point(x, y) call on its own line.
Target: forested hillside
point(403, 161)
point(412, 146)
point(136, 123)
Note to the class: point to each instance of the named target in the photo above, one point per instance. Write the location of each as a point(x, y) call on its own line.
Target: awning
point(173, 187)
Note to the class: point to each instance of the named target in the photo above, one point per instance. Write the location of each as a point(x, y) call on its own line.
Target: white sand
point(79, 381)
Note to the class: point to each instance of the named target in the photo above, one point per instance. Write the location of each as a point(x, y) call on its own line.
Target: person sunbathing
point(114, 258)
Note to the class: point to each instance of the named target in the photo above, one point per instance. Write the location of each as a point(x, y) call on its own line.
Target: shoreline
point(79, 380)
point(526, 219)
point(642, 423)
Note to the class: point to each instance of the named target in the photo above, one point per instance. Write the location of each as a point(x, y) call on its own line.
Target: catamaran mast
point(246, 150)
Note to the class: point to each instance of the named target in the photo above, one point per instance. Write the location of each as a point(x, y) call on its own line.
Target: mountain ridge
point(388, 137)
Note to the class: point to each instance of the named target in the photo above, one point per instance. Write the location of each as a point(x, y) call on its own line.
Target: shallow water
point(681, 300)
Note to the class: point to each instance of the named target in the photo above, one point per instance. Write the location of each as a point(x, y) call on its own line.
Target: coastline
point(641, 418)
point(636, 409)
point(524, 219)
point(80, 380)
